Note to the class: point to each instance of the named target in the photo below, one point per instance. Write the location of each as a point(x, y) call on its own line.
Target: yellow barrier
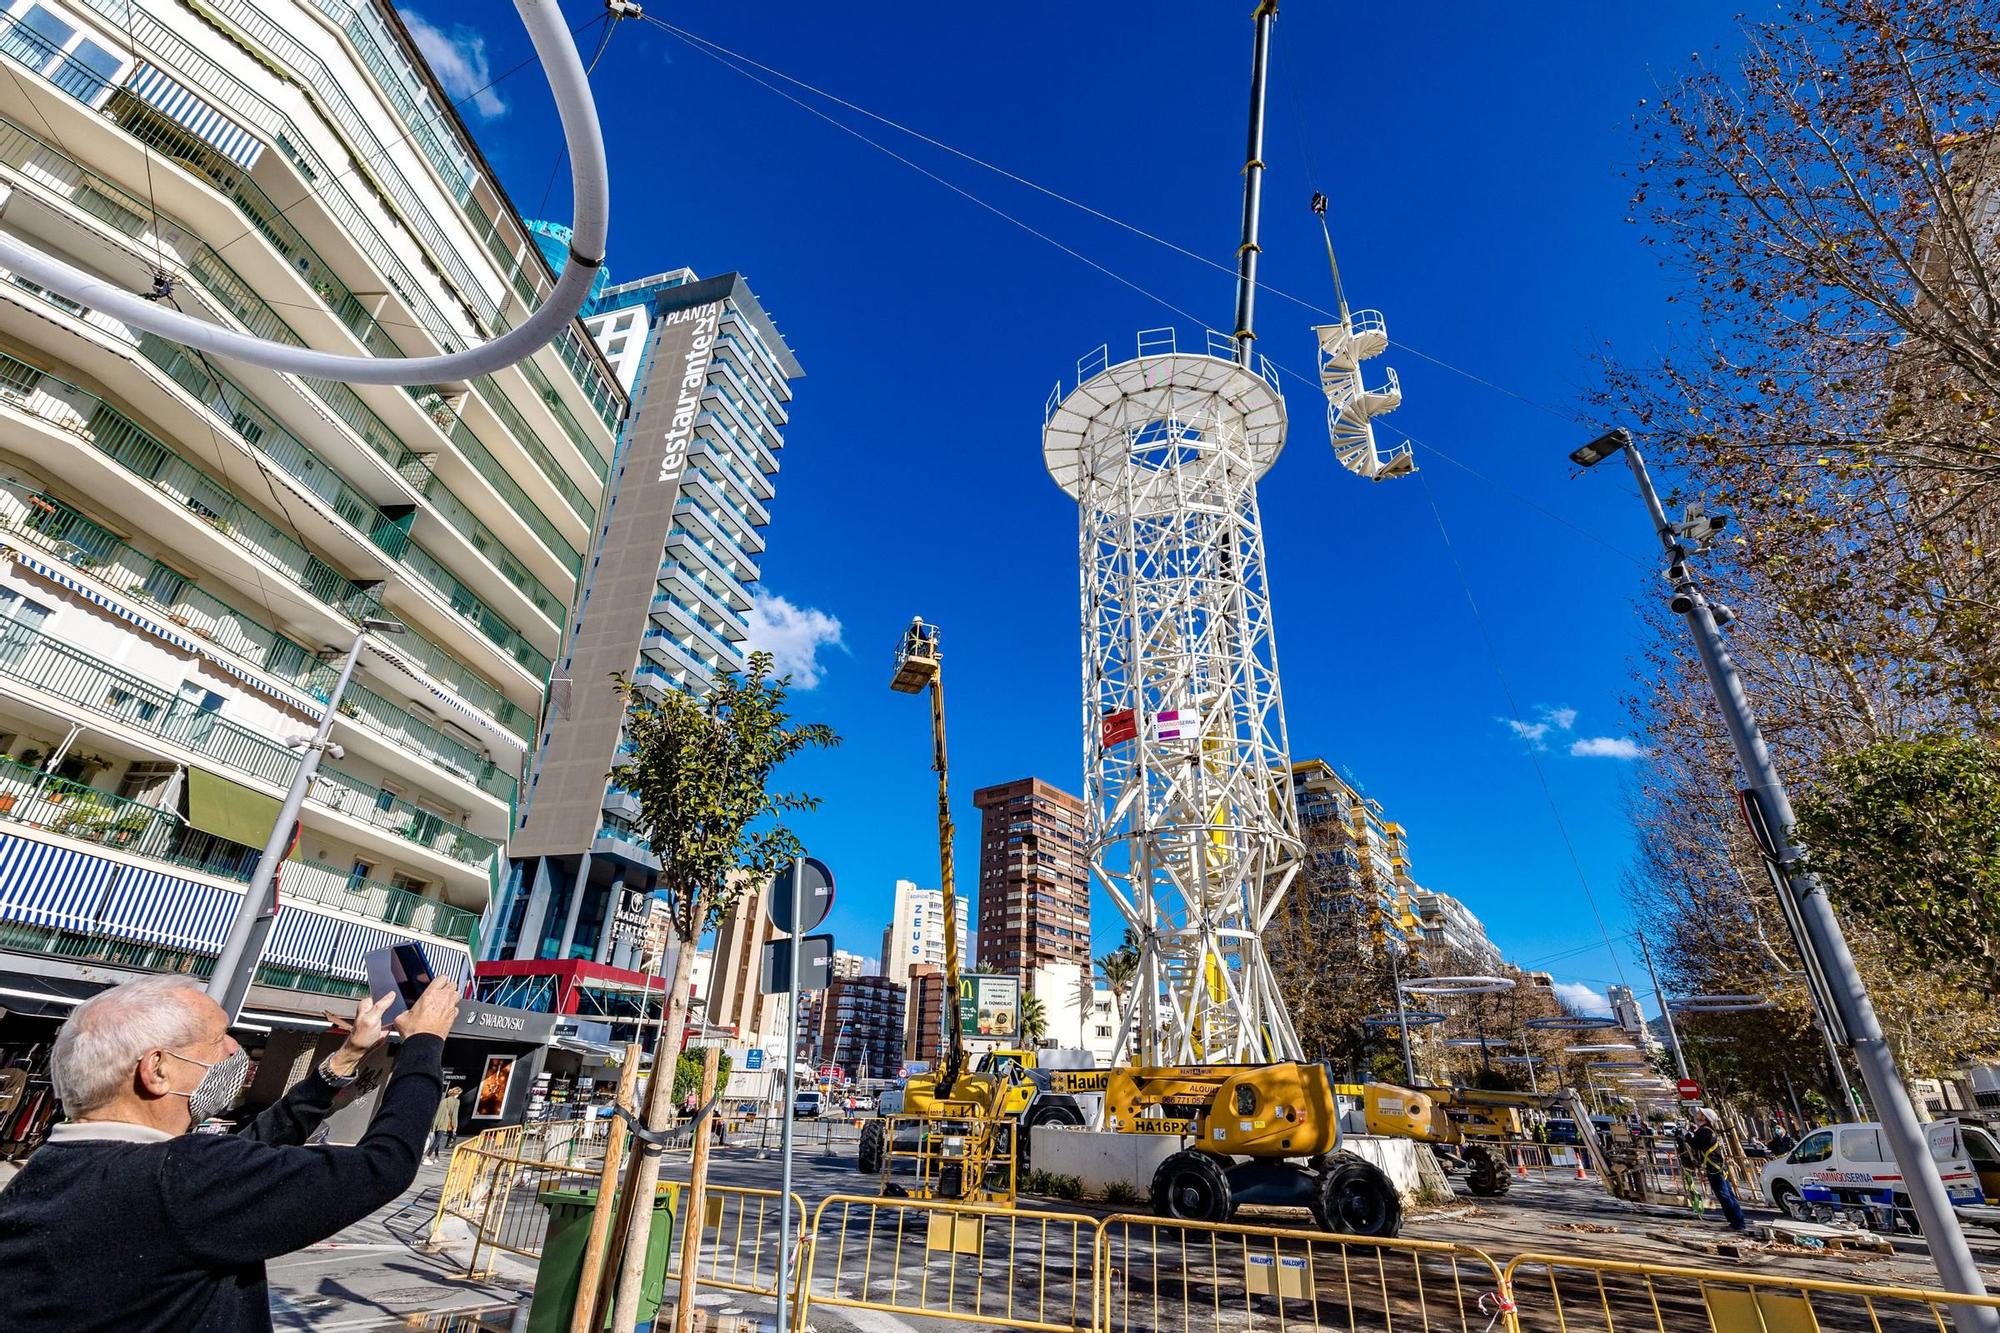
point(963, 1262)
point(1160, 1274)
point(738, 1239)
point(1569, 1294)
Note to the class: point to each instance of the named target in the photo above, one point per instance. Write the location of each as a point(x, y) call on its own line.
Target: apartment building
point(915, 934)
point(1452, 936)
point(188, 546)
point(672, 568)
point(1357, 863)
point(1034, 878)
point(860, 1023)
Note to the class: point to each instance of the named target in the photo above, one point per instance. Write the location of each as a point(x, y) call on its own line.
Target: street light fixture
point(229, 984)
point(1601, 448)
point(1823, 943)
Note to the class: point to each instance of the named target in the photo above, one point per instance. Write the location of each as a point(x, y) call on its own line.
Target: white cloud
point(1548, 719)
point(458, 58)
point(793, 635)
point(1579, 998)
point(1608, 747)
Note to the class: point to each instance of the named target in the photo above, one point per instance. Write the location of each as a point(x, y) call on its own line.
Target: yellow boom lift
point(963, 1126)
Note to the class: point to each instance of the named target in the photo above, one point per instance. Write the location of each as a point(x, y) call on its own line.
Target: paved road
point(376, 1275)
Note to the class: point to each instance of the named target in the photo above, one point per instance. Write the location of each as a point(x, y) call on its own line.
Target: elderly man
point(124, 1220)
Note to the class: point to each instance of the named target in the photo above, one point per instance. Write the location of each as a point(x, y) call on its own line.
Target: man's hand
point(364, 1035)
point(433, 1013)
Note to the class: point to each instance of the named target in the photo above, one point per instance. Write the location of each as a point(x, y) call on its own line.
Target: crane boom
point(919, 664)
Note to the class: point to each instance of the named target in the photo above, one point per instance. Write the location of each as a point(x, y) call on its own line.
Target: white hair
point(106, 1034)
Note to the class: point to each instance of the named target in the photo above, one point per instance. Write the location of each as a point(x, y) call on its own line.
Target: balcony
point(326, 185)
point(74, 676)
point(405, 730)
point(41, 521)
point(249, 422)
point(149, 127)
point(89, 418)
point(619, 840)
point(39, 800)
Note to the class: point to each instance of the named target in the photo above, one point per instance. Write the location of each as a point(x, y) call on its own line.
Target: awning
point(610, 1055)
point(230, 810)
point(200, 119)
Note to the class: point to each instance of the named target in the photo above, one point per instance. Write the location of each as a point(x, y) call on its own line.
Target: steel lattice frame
point(1192, 827)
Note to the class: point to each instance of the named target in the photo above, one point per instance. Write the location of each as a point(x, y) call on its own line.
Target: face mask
point(219, 1088)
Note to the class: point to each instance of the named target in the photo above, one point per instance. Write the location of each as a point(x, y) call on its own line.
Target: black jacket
point(173, 1234)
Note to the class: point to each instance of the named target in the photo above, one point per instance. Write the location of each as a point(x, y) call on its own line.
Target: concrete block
point(1411, 1166)
point(1100, 1157)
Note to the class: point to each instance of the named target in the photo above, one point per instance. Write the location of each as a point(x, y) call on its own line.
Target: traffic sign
point(818, 897)
point(1689, 1090)
point(753, 1058)
point(815, 972)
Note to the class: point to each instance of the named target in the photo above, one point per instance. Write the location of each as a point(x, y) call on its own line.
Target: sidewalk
point(376, 1274)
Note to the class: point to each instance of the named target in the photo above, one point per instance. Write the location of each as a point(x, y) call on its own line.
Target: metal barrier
point(826, 1136)
point(1569, 1294)
point(994, 1267)
point(1159, 1274)
point(738, 1239)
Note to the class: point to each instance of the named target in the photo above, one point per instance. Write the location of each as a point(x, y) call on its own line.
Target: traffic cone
point(1580, 1173)
point(1521, 1165)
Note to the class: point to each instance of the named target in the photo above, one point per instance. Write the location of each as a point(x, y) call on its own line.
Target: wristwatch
point(331, 1079)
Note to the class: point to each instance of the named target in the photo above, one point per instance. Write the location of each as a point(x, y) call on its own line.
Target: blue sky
point(1473, 163)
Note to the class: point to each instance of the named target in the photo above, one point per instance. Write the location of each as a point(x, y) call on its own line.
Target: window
point(49, 45)
point(360, 874)
point(1816, 1147)
point(146, 782)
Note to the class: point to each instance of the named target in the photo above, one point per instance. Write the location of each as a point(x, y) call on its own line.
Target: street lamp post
point(229, 985)
point(1824, 941)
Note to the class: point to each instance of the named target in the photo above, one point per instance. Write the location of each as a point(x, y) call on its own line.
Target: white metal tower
point(1192, 829)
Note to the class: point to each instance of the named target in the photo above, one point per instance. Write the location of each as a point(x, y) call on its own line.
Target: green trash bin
point(561, 1271)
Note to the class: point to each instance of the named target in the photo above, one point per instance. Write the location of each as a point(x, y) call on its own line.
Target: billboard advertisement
point(989, 1006)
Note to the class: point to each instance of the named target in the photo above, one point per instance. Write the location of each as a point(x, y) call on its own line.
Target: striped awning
point(303, 939)
point(45, 885)
point(188, 110)
point(313, 711)
point(96, 598)
point(358, 941)
point(158, 908)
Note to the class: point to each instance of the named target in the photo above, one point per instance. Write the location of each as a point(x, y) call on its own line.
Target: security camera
point(1677, 572)
point(1724, 616)
point(1698, 527)
point(1682, 603)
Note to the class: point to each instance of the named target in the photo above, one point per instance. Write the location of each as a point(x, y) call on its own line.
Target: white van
point(1849, 1167)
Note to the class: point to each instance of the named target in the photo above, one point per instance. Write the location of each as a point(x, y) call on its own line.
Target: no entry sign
point(1689, 1090)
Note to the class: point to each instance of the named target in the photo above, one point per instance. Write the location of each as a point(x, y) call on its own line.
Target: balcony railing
point(85, 414)
point(260, 429)
point(40, 800)
point(214, 81)
point(70, 674)
point(147, 125)
point(119, 438)
point(398, 725)
point(43, 521)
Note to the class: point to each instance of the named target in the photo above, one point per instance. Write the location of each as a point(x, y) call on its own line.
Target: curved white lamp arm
point(590, 187)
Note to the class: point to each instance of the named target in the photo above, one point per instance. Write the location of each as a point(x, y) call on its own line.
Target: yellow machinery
point(1466, 1123)
point(964, 1159)
point(1266, 1135)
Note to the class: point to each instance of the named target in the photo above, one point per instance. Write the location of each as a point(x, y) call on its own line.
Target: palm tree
point(1034, 1020)
point(1120, 968)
